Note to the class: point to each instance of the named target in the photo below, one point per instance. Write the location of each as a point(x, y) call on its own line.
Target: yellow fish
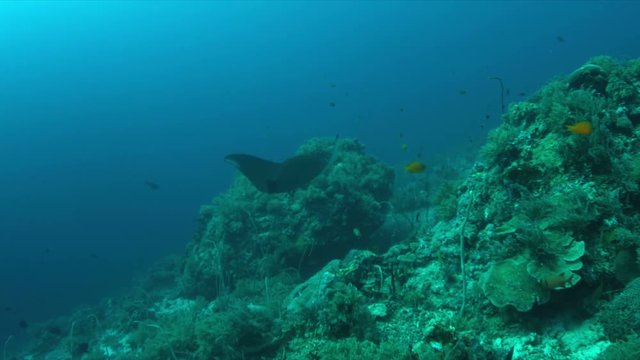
point(404, 146)
point(581, 128)
point(415, 167)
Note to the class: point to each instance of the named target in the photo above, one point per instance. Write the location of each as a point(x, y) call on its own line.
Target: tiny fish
point(404, 147)
point(151, 185)
point(332, 104)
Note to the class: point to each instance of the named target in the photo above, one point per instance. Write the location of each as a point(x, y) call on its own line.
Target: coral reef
point(532, 253)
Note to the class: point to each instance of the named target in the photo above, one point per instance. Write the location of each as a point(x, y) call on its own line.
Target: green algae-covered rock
point(621, 317)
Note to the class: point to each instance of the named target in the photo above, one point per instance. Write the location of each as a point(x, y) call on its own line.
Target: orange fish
point(581, 128)
point(415, 167)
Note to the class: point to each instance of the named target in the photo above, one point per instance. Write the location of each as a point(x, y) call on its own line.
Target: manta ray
point(273, 177)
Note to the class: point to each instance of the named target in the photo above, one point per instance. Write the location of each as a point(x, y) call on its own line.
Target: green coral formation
point(571, 195)
point(531, 253)
point(623, 350)
point(245, 232)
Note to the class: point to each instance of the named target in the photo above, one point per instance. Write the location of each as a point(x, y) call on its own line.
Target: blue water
point(97, 98)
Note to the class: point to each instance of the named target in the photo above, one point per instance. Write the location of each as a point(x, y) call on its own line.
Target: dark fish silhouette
point(272, 177)
point(55, 330)
point(509, 354)
point(560, 38)
point(501, 91)
point(23, 324)
point(151, 185)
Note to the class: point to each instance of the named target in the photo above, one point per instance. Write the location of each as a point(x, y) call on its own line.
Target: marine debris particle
point(272, 177)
